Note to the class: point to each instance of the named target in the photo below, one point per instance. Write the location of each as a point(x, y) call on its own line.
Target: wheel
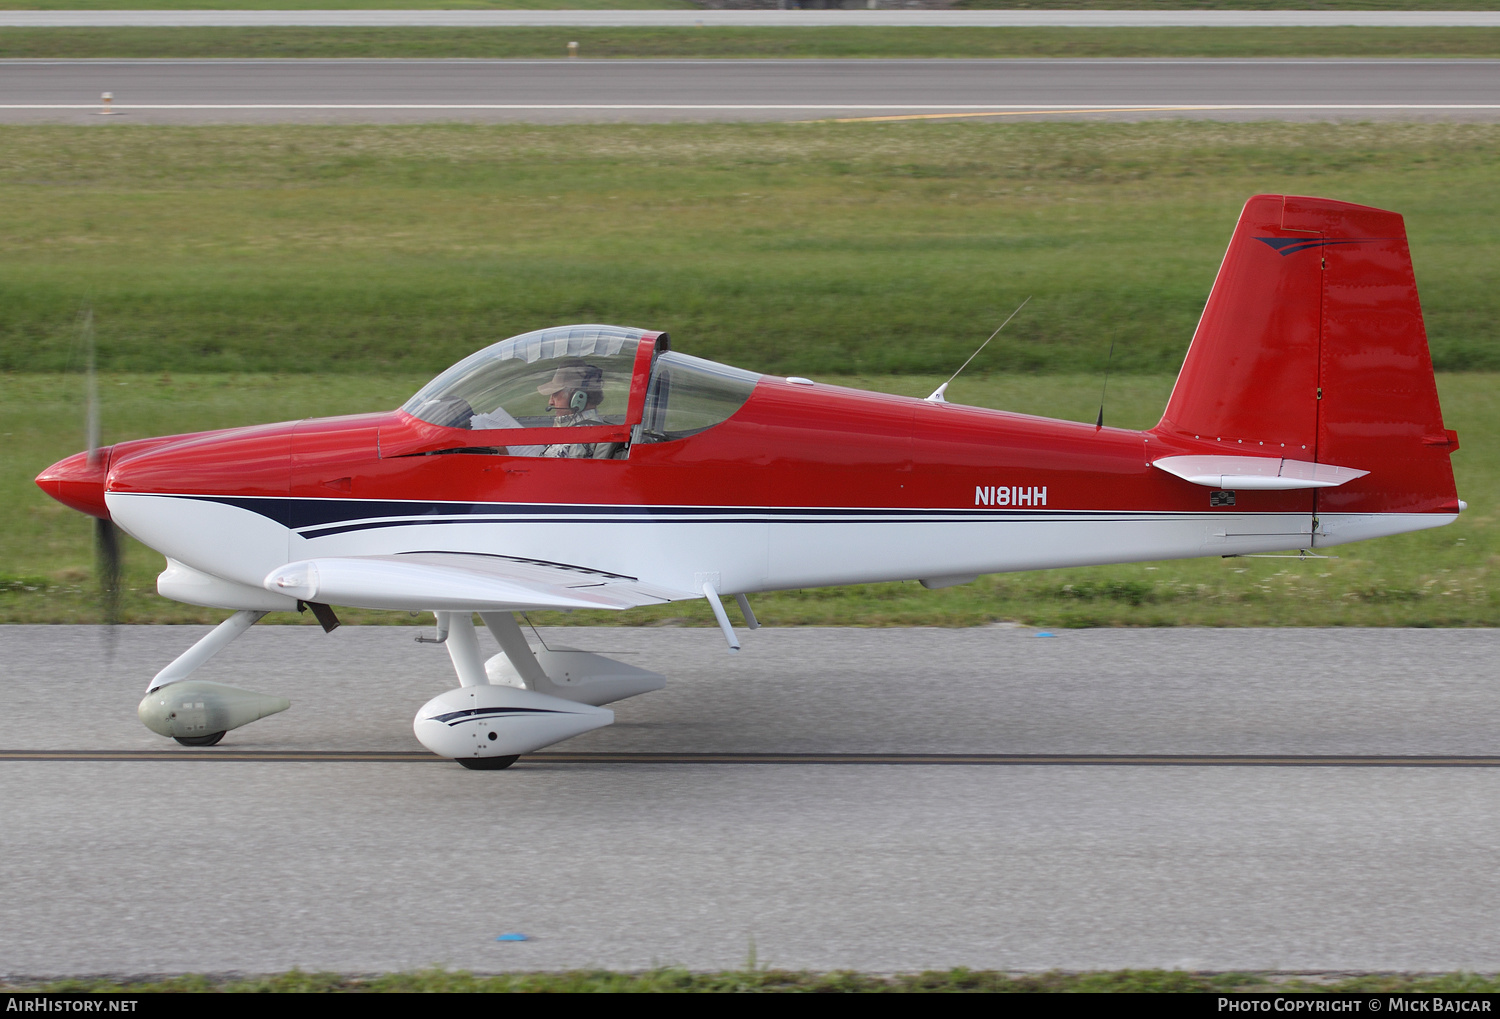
point(485, 763)
point(200, 741)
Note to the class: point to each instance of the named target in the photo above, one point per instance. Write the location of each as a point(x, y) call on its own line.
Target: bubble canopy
point(516, 384)
point(502, 385)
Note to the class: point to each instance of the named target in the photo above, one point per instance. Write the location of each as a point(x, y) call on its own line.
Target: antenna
point(937, 394)
point(1100, 423)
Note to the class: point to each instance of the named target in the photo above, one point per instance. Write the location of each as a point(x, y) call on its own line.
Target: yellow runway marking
point(1043, 111)
point(1026, 113)
point(558, 758)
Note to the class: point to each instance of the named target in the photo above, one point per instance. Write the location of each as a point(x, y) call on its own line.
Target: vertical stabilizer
point(1312, 347)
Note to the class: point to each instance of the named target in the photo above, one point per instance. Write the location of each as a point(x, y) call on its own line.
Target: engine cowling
point(501, 721)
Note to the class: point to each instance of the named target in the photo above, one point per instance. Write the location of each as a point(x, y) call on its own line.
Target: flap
point(454, 581)
point(1262, 473)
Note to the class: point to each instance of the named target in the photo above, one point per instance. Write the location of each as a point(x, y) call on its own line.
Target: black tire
point(200, 741)
point(488, 763)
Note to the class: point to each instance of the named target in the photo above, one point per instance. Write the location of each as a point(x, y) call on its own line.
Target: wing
point(452, 581)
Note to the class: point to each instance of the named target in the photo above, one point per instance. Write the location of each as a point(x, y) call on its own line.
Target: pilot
point(576, 389)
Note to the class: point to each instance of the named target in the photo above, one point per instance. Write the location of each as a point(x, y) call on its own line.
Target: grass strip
point(786, 248)
point(773, 981)
point(698, 43)
point(242, 275)
point(386, 5)
point(512, 5)
point(419, 5)
point(1443, 577)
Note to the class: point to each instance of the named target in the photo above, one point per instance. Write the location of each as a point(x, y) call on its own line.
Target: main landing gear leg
point(463, 647)
point(507, 633)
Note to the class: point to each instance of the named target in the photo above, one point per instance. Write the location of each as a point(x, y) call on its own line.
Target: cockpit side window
point(512, 384)
point(688, 395)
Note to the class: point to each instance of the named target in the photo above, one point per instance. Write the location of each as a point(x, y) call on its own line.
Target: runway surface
point(561, 91)
point(762, 19)
point(1210, 799)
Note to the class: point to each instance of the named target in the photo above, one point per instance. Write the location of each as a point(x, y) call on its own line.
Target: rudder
point(1312, 347)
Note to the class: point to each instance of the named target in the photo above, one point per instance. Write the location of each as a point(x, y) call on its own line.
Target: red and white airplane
point(594, 467)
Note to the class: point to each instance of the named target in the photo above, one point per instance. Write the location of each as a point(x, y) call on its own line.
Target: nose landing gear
point(201, 741)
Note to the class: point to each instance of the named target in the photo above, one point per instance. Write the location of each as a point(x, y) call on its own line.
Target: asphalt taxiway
point(598, 18)
point(566, 91)
point(877, 799)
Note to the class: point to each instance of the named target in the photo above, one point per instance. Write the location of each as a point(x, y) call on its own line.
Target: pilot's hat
point(574, 376)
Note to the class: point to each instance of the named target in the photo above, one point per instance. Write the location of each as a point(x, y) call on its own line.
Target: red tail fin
point(1313, 338)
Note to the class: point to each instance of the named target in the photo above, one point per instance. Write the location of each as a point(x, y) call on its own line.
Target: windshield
point(688, 394)
point(566, 375)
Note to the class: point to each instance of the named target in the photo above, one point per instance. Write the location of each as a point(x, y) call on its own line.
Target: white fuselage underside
point(748, 549)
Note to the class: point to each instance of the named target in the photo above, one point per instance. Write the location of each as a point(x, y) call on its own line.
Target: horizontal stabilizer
point(1262, 473)
point(458, 582)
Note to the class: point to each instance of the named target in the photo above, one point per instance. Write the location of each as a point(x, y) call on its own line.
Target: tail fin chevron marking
point(1291, 245)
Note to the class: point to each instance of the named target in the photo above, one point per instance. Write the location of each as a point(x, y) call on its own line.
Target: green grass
point(346, 5)
point(1433, 578)
point(791, 248)
point(283, 272)
point(330, 5)
point(649, 43)
point(772, 981)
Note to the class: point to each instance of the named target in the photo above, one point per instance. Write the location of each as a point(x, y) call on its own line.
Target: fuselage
point(805, 485)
